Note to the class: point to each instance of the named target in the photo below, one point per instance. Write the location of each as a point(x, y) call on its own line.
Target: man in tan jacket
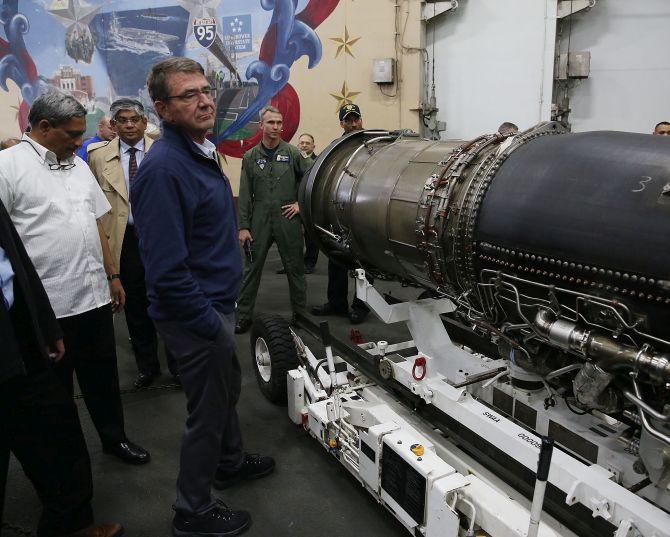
point(114, 164)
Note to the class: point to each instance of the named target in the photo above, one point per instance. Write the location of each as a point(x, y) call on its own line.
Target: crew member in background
point(114, 164)
point(508, 128)
point(662, 129)
point(9, 142)
point(351, 120)
point(104, 134)
point(55, 205)
point(271, 174)
point(306, 146)
point(185, 217)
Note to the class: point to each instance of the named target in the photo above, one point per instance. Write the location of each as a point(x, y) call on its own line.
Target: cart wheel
point(273, 354)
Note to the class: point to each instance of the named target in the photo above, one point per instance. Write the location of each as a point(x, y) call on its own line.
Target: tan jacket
point(104, 159)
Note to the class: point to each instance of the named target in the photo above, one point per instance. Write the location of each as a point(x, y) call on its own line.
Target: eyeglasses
point(191, 96)
point(127, 120)
point(52, 166)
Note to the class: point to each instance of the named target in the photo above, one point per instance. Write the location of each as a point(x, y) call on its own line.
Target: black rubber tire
point(283, 356)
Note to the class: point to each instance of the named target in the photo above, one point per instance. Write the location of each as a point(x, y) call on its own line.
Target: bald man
point(105, 134)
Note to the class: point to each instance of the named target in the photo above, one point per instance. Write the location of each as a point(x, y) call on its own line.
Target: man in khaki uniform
point(114, 164)
point(271, 173)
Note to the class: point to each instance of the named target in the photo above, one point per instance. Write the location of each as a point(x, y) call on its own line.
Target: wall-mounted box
point(383, 70)
point(578, 66)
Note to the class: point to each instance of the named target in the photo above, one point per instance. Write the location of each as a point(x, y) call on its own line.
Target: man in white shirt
point(55, 203)
point(114, 164)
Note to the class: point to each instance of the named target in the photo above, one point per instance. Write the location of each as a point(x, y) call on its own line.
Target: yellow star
point(345, 96)
point(345, 43)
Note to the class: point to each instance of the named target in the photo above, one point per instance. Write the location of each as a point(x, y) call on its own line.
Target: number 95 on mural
point(204, 31)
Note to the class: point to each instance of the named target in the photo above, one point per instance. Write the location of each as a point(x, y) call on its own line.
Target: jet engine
point(553, 246)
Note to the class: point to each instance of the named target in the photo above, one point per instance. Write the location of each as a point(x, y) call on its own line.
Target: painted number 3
point(205, 32)
point(642, 182)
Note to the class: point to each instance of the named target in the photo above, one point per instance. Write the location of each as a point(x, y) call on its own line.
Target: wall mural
point(99, 51)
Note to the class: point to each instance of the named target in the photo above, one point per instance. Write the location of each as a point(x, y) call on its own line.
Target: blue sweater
point(82, 152)
point(187, 227)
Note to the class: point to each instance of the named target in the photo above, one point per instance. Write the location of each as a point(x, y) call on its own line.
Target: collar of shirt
point(47, 156)
point(208, 148)
point(125, 147)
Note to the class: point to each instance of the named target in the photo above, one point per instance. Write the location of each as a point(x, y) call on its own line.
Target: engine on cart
point(546, 257)
point(552, 245)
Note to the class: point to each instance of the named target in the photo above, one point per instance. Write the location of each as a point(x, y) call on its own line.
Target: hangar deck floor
point(308, 495)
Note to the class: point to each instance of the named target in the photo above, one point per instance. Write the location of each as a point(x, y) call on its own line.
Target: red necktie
point(132, 164)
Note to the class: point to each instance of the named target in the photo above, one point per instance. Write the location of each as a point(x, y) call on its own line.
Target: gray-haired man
point(55, 205)
point(114, 164)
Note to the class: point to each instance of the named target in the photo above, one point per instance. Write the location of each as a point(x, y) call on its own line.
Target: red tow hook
point(419, 363)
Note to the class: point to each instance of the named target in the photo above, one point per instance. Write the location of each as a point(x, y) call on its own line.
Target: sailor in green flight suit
point(268, 212)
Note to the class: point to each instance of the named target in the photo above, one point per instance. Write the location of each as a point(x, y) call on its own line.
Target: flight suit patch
point(283, 158)
point(261, 163)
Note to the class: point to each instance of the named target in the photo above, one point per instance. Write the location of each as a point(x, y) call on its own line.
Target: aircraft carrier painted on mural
point(131, 42)
point(137, 40)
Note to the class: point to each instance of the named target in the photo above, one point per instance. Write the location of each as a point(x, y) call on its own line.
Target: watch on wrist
point(114, 277)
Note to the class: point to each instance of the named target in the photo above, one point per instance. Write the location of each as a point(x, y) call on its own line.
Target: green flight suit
point(265, 185)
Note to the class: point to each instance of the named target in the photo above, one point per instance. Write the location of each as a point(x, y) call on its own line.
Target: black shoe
point(221, 521)
point(144, 380)
point(253, 467)
point(280, 271)
point(327, 309)
point(242, 326)
point(309, 269)
point(128, 452)
point(357, 316)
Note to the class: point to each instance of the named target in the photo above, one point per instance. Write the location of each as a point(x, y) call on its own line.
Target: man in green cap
point(268, 209)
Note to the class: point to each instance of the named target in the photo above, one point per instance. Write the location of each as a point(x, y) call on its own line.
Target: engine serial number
point(530, 440)
point(492, 417)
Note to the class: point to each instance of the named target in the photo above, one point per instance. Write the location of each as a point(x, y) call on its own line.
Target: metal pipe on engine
point(608, 354)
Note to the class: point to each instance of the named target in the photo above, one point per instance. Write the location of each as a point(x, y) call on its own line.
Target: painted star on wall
point(72, 12)
point(345, 43)
point(345, 96)
point(198, 9)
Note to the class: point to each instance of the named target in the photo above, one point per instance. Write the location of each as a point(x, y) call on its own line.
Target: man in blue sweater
point(185, 219)
point(105, 134)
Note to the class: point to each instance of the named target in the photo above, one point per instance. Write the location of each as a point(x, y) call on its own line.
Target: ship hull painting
point(130, 43)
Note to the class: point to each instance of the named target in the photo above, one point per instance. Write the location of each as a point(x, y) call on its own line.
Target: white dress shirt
point(125, 162)
point(55, 213)
point(207, 147)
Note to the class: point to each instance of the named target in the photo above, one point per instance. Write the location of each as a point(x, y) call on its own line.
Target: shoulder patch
point(96, 145)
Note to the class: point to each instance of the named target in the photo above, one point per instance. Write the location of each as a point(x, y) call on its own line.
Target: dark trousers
point(140, 327)
point(338, 289)
point(311, 251)
point(211, 378)
point(40, 425)
point(90, 351)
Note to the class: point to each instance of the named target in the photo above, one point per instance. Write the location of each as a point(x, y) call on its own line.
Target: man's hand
point(245, 235)
point(289, 211)
point(118, 295)
point(56, 350)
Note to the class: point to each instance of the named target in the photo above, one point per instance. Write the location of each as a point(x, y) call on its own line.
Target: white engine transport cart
point(441, 438)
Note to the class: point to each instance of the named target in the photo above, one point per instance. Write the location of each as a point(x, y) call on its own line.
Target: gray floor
point(309, 494)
